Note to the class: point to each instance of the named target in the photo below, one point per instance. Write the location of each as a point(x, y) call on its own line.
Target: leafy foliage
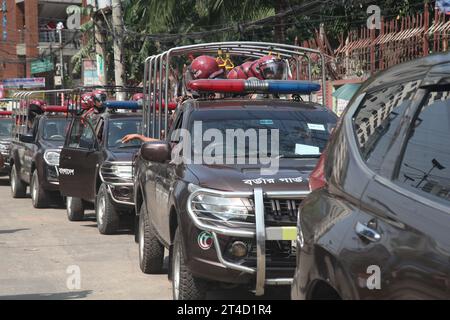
point(155, 25)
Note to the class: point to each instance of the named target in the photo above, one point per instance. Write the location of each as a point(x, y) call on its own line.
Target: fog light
point(124, 192)
point(239, 249)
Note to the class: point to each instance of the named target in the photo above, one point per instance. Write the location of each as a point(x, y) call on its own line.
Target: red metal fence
point(367, 51)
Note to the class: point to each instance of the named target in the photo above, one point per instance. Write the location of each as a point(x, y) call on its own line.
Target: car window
point(377, 120)
point(301, 134)
point(119, 128)
point(425, 167)
point(81, 135)
point(55, 129)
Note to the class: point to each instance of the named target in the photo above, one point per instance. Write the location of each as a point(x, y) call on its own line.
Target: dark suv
point(34, 159)
point(96, 168)
point(227, 223)
point(6, 123)
point(376, 225)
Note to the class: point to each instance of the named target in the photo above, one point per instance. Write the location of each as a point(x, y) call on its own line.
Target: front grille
point(280, 258)
point(4, 149)
point(281, 212)
point(110, 175)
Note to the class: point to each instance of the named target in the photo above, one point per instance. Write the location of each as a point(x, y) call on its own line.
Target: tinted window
point(302, 133)
point(119, 128)
point(5, 127)
point(81, 135)
point(377, 120)
point(426, 163)
point(55, 129)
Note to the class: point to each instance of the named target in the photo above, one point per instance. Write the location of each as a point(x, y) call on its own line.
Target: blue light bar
point(125, 105)
point(287, 87)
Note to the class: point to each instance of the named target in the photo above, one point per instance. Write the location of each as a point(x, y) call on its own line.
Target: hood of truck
point(126, 154)
point(292, 175)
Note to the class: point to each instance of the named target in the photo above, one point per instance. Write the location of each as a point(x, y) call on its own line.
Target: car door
point(27, 152)
point(401, 240)
point(79, 161)
point(164, 182)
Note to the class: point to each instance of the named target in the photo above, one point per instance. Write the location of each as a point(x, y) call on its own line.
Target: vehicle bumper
point(218, 264)
point(49, 178)
point(121, 190)
point(122, 195)
point(5, 170)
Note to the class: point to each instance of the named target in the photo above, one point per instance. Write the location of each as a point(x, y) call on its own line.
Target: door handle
point(367, 233)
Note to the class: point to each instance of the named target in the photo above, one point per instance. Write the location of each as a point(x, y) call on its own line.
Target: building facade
point(30, 46)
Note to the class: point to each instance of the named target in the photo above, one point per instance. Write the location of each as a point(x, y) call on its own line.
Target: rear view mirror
point(157, 151)
point(26, 138)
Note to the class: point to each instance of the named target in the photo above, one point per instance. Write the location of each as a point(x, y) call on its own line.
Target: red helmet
point(269, 67)
point(205, 67)
point(99, 95)
point(35, 107)
point(244, 71)
point(37, 102)
point(137, 97)
point(87, 101)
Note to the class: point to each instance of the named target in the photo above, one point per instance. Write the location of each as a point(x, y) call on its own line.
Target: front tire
point(184, 285)
point(39, 197)
point(151, 251)
point(18, 187)
point(107, 216)
point(75, 209)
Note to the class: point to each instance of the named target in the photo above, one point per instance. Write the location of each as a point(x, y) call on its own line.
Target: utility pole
point(99, 50)
point(119, 70)
point(61, 57)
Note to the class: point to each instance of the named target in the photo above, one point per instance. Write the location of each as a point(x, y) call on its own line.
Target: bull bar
point(260, 233)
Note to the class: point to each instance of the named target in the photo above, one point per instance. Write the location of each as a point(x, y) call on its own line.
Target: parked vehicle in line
point(227, 222)
point(96, 168)
point(34, 156)
point(180, 205)
point(376, 225)
point(6, 123)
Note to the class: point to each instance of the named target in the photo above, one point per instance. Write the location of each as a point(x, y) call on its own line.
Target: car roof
point(236, 104)
point(401, 73)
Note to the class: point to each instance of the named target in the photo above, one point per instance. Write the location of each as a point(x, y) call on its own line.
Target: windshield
point(5, 127)
point(119, 128)
point(55, 129)
point(302, 133)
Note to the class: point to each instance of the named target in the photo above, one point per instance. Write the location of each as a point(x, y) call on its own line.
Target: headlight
point(4, 147)
point(124, 172)
point(51, 157)
point(225, 209)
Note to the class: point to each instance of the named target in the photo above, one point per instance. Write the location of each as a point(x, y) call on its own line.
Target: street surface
point(41, 251)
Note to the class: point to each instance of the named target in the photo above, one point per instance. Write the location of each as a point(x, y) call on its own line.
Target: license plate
point(281, 233)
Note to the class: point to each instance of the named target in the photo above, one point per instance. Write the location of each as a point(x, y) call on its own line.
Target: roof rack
point(51, 100)
point(156, 82)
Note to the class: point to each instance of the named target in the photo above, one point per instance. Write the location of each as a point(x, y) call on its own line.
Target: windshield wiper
point(128, 146)
point(300, 156)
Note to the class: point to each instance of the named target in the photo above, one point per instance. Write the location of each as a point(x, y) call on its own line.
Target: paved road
point(41, 253)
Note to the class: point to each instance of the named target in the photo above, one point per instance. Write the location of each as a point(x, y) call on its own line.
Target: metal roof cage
point(159, 73)
point(23, 99)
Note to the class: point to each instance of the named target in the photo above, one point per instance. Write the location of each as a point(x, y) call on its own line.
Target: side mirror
point(156, 151)
point(26, 138)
